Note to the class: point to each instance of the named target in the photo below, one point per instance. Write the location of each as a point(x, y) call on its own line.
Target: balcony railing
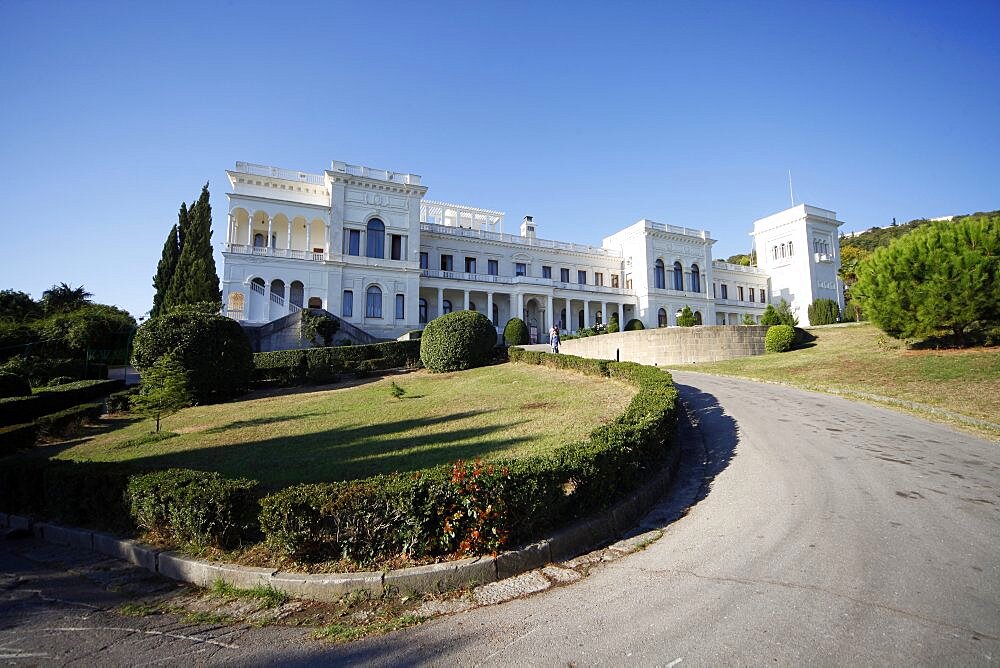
point(521, 280)
point(728, 266)
point(279, 173)
point(518, 240)
point(263, 251)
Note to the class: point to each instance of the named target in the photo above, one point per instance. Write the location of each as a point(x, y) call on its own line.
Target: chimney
point(528, 228)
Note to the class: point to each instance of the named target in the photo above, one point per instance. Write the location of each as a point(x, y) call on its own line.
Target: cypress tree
point(165, 272)
point(195, 279)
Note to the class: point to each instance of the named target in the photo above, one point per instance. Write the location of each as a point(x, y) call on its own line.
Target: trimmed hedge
point(12, 385)
point(634, 325)
point(120, 402)
point(457, 341)
point(779, 338)
point(321, 365)
point(515, 332)
point(17, 437)
point(18, 410)
point(194, 506)
point(474, 508)
point(58, 424)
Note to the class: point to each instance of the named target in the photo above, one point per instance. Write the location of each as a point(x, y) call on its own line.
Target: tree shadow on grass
point(256, 422)
point(345, 453)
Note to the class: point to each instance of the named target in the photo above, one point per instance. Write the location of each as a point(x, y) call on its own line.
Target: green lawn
point(860, 360)
point(352, 432)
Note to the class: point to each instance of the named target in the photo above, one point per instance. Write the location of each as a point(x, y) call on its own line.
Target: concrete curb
point(576, 539)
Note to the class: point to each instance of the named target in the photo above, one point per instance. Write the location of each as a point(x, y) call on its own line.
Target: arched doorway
point(661, 318)
point(296, 293)
point(697, 317)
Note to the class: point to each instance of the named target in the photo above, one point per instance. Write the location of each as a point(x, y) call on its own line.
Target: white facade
point(365, 245)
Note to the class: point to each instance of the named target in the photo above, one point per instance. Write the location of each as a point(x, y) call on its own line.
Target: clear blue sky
point(587, 116)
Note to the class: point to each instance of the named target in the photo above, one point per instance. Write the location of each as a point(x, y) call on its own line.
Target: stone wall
point(672, 345)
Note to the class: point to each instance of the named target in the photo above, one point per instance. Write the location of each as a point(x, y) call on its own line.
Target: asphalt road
point(824, 531)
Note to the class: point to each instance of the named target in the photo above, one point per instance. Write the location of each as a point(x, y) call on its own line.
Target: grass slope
point(861, 362)
point(354, 432)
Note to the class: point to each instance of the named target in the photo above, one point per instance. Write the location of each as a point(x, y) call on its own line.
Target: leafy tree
point(165, 271)
point(16, 306)
point(163, 390)
point(64, 297)
point(785, 315)
point(686, 318)
point(770, 316)
point(747, 320)
point(195, 278)
point(743, 259)
point(613, 324)
point(940, 277)
point(850, 258)
point(824, 312)
point(92, 326)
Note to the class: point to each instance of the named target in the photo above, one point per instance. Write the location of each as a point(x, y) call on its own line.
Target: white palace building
point(365, 245)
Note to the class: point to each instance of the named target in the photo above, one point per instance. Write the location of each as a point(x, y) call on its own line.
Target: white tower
point(800, 249)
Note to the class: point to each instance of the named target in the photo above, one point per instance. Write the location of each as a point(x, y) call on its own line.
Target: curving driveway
point(823, 531)
point(834, 532)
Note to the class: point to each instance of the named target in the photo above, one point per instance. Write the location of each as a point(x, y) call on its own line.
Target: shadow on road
point(707, 437)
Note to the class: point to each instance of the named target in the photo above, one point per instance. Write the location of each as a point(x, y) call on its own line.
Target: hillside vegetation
point(877, 237)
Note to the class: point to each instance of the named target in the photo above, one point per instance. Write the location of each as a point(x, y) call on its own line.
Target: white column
point(309, 229)
point(440, 301)
point(520, 305)
point(489, 306)
point(289, 246)
point(466, 307)
point(621, 317)
point(229, 232)
point(552, 314)
point(267, 243)
point(586, 313)
point(326, 237)
point(604, 313)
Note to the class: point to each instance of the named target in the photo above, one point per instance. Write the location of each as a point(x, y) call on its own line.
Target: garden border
point(565, 544)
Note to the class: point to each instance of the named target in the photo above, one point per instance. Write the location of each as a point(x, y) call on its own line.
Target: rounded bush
point(634, 325)
point(456, 341)
point(515, 333)
point(12, 385)
point(779, 338)
point(613, 326)
point(213, 350)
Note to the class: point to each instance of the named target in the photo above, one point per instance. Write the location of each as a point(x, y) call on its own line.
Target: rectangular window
point(564, 275)
point(520, 269)
point(581, 276)
point(493, 267)
point(762, 298)
point(400, 307)
point(739, 292)
point(347, 306)
point(725, 291)
point(470, 265)
point(714, 295)
point(614, 280)
point(373, 308)
point(353, 242)
point(546, 272)
point(423, 261)
point(598, 278)
point(396, 247)
point(446, 263)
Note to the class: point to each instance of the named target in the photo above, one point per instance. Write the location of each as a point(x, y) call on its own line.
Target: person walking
point(554, 339)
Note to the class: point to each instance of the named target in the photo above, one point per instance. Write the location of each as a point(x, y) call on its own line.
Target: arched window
point(373, 308)
point(446, 306)
point(423, 311)
point(659, 275)
point(562, 319)
point(235, 305)
point(697, 317)
point(472, 306)
point(695, 279)
point(789, 249)
point(376, 238)
point(774, 252)
point(661, 318)
point(296, 293)
point(496, 315)
point(782, 250)
point(583, 323)
point(315, 302)
point(599, 318)
point(678, 276)
point(258, 240)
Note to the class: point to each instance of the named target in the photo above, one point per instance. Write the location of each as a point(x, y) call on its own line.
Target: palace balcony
point(522, 280)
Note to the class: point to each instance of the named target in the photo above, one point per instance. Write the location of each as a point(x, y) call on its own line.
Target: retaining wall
point(672, 345)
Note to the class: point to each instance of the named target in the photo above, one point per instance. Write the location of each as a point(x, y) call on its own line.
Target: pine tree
point(163, 391)
point(195, 279)
point(165, 272)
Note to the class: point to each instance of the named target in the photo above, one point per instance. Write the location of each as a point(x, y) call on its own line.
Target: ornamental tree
point(942, 276)
point(163, 391)
point(686, 317)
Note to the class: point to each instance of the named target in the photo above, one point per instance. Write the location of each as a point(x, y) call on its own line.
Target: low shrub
point(515, 332)
point(18, 410)
point(613, 326)
point(119, 402)
point(323, 365)
point(456, 341)
point(194, 506)
point(87, 494)
point(17, 437)
point(12, 385)
point(779, 338)
point(633, 325)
